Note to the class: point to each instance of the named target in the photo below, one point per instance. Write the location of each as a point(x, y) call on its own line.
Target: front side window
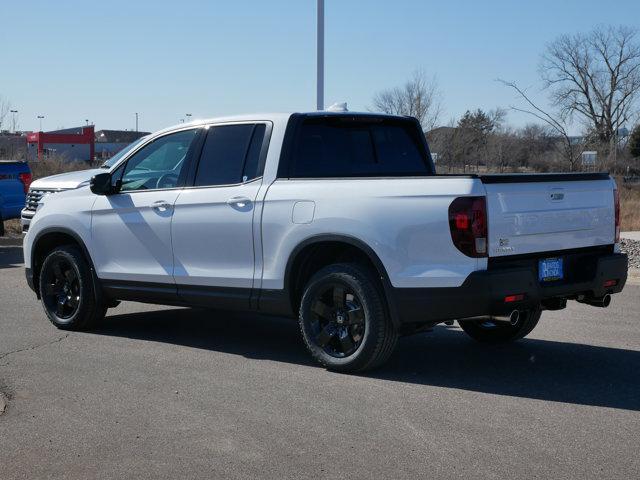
point(160, 164)
point(230, 155)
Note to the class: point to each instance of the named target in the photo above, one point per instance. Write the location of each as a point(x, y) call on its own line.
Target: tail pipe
point(602, 302)
point(512, 318)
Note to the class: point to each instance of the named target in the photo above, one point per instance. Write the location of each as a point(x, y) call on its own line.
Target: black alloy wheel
point(61, 293)
point(344, 319)
point(339, 324)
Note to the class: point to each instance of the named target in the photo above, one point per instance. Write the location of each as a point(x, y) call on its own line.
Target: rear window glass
point(343, 147)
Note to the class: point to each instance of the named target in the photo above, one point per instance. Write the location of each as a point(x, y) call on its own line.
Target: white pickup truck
point(338, 219)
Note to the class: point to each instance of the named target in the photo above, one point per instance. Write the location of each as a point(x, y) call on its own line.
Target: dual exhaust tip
point(514, 316)
point(602, 302)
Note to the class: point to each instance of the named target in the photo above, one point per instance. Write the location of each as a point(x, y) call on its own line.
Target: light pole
point(320, 57)
point(40, 117)
point(14, 120)
point(188, 115)
point(87, 120)
point(136, 121)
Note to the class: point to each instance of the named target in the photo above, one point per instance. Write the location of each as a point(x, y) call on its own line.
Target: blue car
point(15, 178)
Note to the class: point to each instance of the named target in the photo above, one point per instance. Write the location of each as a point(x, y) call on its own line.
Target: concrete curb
point(630, 235)
point(11, 241)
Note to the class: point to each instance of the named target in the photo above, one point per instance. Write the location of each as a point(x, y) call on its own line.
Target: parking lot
point(162, 392)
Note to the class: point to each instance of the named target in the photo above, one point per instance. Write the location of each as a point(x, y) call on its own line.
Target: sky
point(104, 61)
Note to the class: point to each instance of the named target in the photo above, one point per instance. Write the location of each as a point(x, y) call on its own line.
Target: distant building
point(74, 144)
point(110, 142)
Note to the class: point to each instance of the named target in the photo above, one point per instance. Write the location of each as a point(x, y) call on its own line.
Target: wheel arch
point(295, 269)
point(50, 238)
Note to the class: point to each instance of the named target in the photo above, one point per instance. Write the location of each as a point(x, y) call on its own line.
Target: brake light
point(25, 178)
point(610, 283)
point(616, 201)
point(468, 225)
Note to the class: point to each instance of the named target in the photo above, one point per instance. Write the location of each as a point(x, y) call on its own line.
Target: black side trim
point(145, 292)
point(183, 295)
point(224, 298)
point(542, 177)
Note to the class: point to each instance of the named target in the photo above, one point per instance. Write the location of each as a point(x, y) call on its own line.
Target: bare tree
point(5, 106)
point(595, 77)
point(420, 97)
point(571, 150)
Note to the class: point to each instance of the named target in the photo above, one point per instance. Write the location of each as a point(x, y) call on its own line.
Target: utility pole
point(320, 56)
point(136, 121)
point(13, 120)
point(40, 117)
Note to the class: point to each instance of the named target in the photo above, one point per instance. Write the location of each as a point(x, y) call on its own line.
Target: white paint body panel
point(545, 216)
point(131, 240)
point(404, 221)
point(212, 234)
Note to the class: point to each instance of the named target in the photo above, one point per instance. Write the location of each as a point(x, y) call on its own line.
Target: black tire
point(498, 332)
point(349, 331)
point(67, 290)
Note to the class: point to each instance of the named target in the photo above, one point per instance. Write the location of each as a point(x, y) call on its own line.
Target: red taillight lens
point(610, 283)
point(25, 178)
point(514, 298)
point(468, 224)
point(616, 201)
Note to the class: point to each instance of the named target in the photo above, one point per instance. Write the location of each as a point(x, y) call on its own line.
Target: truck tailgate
point(569, 212)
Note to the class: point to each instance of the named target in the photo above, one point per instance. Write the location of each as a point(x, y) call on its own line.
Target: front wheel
point(488, 331)
point(67, 290)
point(344, 321)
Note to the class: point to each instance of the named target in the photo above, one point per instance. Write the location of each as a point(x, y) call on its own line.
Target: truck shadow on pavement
point(446, 357)
point(10, 257)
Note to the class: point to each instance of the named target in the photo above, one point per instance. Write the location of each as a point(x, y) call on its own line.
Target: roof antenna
point(338, 107)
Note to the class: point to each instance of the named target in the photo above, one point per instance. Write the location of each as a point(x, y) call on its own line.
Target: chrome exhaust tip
point(514, 317)
point(602, 302)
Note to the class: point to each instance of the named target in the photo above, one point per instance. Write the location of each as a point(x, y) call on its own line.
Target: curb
point(11, 241)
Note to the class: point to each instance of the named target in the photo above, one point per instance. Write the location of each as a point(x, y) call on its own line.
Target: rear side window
point(230, 155)
point(344, 147)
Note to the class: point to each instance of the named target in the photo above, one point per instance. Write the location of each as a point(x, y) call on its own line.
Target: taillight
point(468, 224)
point(616, 201)
point(25, 178)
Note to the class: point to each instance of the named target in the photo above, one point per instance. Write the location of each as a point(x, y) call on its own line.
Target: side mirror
point(101, 184)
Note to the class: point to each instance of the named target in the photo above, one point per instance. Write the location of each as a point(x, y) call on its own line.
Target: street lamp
point(40, 117)
point(188, 115)
point(14, 119)
point(87, 120)
point(136, 121)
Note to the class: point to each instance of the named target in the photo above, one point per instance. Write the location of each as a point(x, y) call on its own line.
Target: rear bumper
point(483, 292)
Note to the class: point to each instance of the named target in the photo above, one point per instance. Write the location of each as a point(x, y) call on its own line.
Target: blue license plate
point(550, 270)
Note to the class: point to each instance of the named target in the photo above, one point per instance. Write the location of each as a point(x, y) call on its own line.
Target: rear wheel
point(343, 319)
point(488, 331)
point(67, 290)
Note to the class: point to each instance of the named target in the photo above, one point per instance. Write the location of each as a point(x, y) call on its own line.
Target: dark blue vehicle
point(15, 178)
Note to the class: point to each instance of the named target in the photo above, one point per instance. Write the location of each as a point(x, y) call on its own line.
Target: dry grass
point(629, 207)
point(53, 166)
point(12, 227)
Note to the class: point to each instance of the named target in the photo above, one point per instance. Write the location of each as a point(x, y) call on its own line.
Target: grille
point(34, 196)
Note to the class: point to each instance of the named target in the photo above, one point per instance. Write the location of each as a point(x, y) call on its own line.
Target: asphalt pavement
point(162, 392)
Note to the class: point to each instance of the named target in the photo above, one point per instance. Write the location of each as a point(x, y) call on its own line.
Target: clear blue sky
point(105, 60)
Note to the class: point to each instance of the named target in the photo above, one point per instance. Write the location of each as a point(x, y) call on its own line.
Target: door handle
point(240, 202)
point(161, 205)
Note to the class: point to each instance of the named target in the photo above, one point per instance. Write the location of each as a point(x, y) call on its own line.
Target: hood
point(66, 181)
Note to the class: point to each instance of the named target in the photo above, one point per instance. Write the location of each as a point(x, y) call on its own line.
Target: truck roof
point(273, 117)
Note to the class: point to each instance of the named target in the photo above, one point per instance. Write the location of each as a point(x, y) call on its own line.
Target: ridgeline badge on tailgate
point(504, 246)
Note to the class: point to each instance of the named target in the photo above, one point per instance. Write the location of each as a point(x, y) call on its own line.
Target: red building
point(70, 143)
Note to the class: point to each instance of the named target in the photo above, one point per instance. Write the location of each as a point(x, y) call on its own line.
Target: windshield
point(116, 158)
